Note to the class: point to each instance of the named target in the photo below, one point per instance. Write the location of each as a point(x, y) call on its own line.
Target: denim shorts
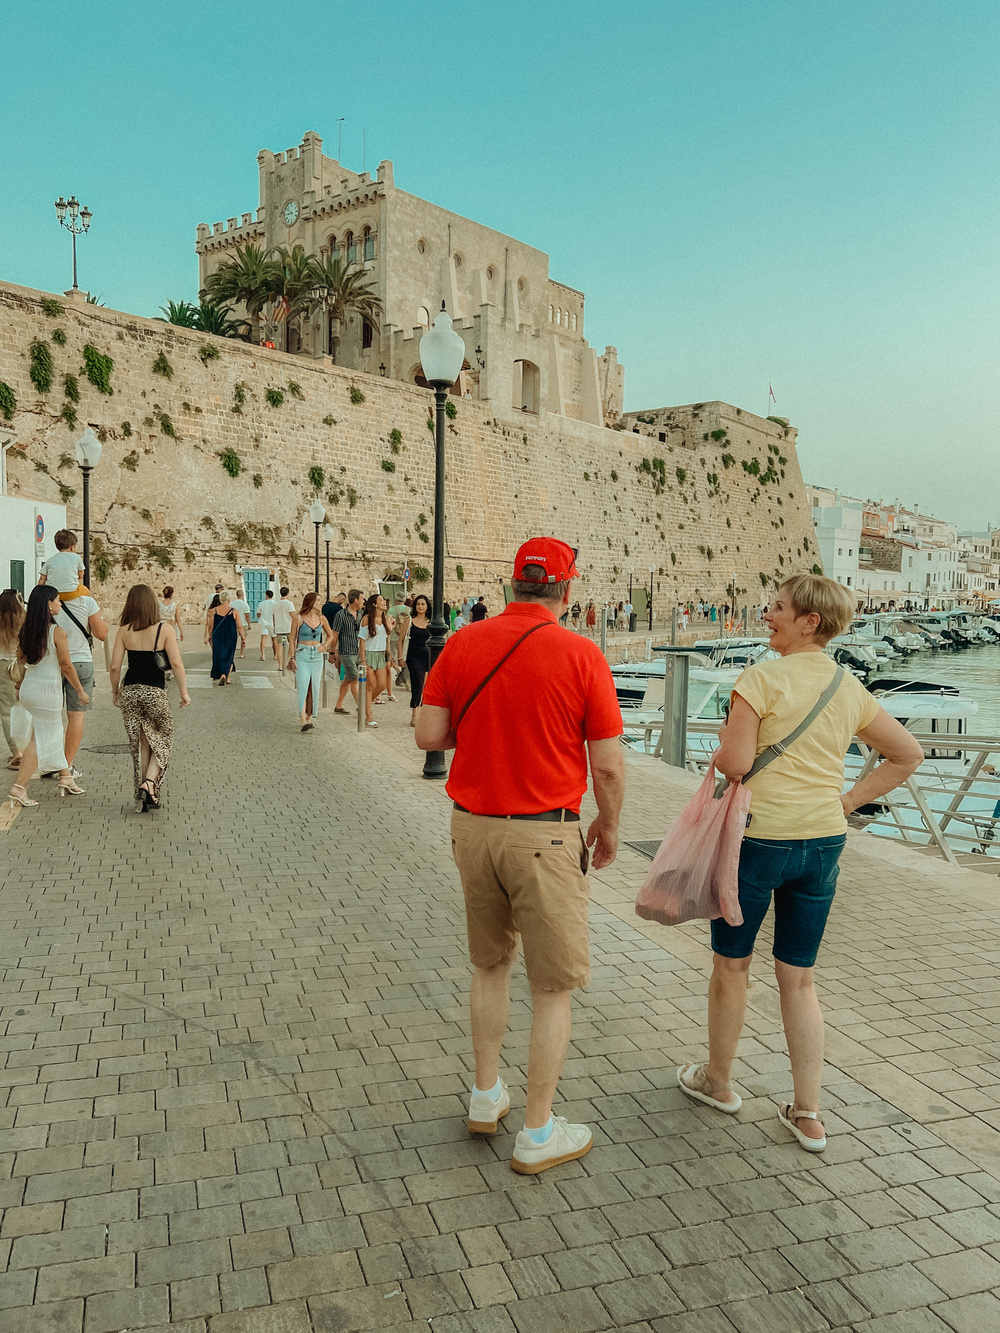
point(85, 671)
point(801, 873)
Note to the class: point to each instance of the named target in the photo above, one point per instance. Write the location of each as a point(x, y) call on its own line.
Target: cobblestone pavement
point(235, 1054)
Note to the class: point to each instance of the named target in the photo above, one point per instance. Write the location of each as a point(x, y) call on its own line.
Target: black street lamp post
point(88, 455)
point(328, 536)
point(442, 353)
point(652, 571)
point(316, 514)
point(76, 225)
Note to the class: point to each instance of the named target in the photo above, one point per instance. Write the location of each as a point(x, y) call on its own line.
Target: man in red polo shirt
point(522, 701)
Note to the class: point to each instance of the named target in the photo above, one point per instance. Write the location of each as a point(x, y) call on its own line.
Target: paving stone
point(568, 1312)
point(434, 1254)
point(52, 1317)
point(699, 1245)
point(892, 1289)
point(694, 1321)
point(783, 1312)
point(586, 1266)
point(970, 1314)
point(85, 1277)
point(113, 1311)
point(243, 1290)
point(489, 1285)
point(884, 1247)
point(715, 1283)
point(814, 1221)
point(962, 1274)
point(288, 1317)
point(635, 1298)
point(835, 1303)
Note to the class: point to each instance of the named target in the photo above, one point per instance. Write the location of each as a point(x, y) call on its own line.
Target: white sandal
point(788, 1115)
point(730, 1107)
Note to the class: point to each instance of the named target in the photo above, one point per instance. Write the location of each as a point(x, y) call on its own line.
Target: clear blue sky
point(800, 194)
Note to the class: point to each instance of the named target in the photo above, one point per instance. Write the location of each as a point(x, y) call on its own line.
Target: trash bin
point(631, 622)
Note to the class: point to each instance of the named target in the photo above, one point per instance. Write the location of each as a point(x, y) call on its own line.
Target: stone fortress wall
point(164, 509)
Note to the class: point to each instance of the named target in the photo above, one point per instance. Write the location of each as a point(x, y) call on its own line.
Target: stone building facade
point(215, 449)
point(523, 331)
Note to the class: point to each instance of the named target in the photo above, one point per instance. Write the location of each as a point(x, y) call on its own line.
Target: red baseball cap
point(554, 556)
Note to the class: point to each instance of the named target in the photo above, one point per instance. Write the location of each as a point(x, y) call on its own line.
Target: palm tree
point(212, 318)
point(291, 283)
point(179, 312)
point(248, 279)
point(337, 288)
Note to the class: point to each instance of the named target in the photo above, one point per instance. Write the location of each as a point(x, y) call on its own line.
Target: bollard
point(361, 701)
point(604, 631)
point(282, 649)
point(673, 627)
point(673, 746)
point(325, 703)
point(649, 649)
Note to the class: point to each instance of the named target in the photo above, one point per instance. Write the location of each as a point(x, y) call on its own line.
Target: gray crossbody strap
point(779, 747)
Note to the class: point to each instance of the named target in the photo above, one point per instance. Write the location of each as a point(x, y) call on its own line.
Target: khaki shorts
point(525, 877)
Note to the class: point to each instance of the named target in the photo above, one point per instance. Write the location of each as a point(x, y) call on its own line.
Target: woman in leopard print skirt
point(142, 696)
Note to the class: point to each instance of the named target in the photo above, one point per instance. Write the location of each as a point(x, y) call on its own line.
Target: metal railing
point(952, 802)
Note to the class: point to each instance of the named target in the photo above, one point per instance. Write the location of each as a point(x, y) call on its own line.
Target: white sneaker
point(485, 1114)
point(564, 1144)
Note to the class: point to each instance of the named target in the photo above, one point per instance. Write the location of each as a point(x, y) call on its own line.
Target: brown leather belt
point(549, 816)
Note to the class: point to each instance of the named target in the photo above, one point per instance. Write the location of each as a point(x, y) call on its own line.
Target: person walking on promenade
point(82, 620)
point(373, 640)
point(591, 617)
point(576, 612)
point(398, 618)
point(479, 611)
point(223, 626)
point(11, 620)
point(414, 647)
point(240, 604)
point(169, 613)
point(517, 779)
point(44, 653)
point(345, 650)
point(265, 619)
point(311, 641)
point(211, 597)
point(795, 834)
point(64, 571)
point(142, 696)
point(283, 612)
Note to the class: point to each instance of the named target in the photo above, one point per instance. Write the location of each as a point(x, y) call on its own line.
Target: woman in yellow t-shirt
point(796, 832)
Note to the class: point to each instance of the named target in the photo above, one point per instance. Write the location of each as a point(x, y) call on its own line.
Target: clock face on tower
point(291, 212)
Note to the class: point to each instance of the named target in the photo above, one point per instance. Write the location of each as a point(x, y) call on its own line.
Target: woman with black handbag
point(152, 650)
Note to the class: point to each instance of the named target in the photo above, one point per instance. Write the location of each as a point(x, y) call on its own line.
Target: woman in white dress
point(169, 614)
point(43, 651)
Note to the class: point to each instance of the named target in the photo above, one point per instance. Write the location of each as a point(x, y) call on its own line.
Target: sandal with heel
point(24, 799)
point(788, 1115)
point(70, 787)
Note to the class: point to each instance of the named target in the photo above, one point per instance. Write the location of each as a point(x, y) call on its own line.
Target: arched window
point(351, 247)
point(367, 333)
point(333, 245)
point(551, 314)
point(574, 323)
point(423, 317)
point(369, 243)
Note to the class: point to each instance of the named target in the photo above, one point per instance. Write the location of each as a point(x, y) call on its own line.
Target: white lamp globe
point(442, 351)
point(327, 533)
point(88, 449)
point(316, 512)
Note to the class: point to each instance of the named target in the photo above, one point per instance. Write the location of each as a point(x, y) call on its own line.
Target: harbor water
point(974, 671)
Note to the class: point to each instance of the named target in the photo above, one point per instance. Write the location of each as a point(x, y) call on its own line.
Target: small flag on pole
point(771, 397)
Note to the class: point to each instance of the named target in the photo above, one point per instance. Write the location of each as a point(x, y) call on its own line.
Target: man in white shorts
point(265, 618)
point(282, 614)
point(240, 603)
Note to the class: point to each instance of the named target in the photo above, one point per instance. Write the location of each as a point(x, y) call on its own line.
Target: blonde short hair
point(224, 595)
point(830, 600)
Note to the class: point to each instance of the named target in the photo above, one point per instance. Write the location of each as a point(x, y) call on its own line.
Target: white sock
point(493, 1093)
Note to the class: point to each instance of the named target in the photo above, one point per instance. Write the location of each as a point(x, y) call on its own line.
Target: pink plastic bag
point(695, 872)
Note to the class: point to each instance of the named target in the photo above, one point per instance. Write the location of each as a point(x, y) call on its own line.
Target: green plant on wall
point(98, 368)
point(316, 477)
point(719, 434)
point(66, 460)
point(166, 425)
point(421, 574)
point(207, 353)
point(275, 396)
point(817, 569)
point(40, 365)
point(161, 366)
point(258, 481)
point(356, 395)
point(101, 560)
point(189, 557)
point(673, 557)
point(127, 429)
point(295, 389)
point(460, 573)
point(450, 410)
point(239, 398)
point(52, 308)
point(352, 497)
point(395, 441)
point(68, 414)
point(71, 388)
point(8, 401)
point(329, 420)
point(293, 555)
point(231, 461)
point(681, 474)
point(59, 337)
point(130, 462)
point(66, 493)
point(388, 465)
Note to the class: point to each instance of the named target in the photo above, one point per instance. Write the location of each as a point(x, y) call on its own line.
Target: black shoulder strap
point(779, 747)
point(84, 629)
point(483, 683)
